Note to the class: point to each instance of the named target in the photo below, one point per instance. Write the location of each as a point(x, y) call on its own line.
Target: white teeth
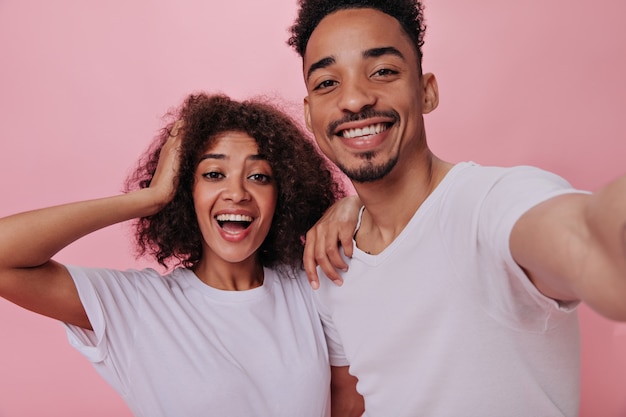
point(366, 131)
point(233, 218)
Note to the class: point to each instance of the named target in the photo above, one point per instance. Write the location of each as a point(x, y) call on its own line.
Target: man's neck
point(390, 203)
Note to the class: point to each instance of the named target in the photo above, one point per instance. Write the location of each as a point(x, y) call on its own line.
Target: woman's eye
point(262, 178)
point(213, 175)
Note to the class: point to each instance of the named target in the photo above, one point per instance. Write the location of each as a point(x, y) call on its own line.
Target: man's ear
point(307, 114)
point(430, 93)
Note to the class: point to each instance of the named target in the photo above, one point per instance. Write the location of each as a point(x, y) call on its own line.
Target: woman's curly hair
point(410, 14)
point(305, 180)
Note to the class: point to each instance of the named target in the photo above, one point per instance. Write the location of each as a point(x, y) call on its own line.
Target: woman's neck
point(218, 273)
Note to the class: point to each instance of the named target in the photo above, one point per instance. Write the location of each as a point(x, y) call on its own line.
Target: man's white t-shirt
point(443, 322)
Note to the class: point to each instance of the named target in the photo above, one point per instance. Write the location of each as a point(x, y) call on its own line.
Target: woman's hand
point(335, 229)
point(165, 179)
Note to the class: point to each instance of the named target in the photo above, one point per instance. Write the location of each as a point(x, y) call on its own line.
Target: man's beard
point(369, 172)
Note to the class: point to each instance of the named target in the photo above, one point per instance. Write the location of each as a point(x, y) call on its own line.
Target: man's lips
point(365, 131)
point(370, 121)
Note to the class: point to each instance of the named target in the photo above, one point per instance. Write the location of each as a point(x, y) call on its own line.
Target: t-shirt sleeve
point(508, 199)
point(493, 200)
point(336, 354)
point(109, 297)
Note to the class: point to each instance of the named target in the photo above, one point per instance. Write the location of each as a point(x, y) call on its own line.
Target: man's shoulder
point(469, 178)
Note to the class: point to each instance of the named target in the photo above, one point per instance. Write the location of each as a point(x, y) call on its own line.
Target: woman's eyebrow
point(213, 156)
point(221, 156)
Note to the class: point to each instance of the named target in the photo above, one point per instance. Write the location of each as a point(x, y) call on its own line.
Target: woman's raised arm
point(29, 240)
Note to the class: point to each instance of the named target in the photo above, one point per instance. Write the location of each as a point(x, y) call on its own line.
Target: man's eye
point(325, 84)
point(262, 178)
point(385, 71)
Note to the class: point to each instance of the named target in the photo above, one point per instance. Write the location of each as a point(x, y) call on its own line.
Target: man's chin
point(369, 172)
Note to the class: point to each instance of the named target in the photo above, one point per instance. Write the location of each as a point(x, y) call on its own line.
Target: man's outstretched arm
point(573, 247)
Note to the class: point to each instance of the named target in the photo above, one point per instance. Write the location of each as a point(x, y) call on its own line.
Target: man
point(461, 292)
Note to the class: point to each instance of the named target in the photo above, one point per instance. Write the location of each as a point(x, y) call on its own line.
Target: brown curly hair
point(305, 180)
point(410, 14)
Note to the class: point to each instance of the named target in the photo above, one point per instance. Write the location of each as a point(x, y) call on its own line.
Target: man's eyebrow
point(322, 63)
point(370, 53)
point(386, 50)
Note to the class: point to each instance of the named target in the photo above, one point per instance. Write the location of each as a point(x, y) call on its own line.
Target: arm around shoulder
point(334, 230)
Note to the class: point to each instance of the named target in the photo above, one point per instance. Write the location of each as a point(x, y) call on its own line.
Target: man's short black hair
point(409, 13)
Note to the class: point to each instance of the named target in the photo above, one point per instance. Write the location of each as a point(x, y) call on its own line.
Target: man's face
point(364, 102)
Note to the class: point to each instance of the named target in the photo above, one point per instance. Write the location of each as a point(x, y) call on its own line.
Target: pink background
point(83, 86)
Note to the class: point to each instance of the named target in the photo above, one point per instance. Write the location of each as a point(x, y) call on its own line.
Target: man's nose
point(355, 95)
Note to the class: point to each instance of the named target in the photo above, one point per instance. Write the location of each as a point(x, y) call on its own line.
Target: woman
point(223, 200)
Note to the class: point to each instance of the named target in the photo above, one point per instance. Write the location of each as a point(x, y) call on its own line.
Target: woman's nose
point(236, 190)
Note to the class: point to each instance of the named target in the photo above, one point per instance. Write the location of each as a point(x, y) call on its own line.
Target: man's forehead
point(354, 32)
point(359, 25)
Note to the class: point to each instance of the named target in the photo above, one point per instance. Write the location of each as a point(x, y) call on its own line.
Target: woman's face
point(234, 196)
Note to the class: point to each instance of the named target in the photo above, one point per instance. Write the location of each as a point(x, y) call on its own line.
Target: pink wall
point(83, 84)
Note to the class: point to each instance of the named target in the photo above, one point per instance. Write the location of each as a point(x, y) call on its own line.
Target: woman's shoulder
point(144, 277)
point(288, 279)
